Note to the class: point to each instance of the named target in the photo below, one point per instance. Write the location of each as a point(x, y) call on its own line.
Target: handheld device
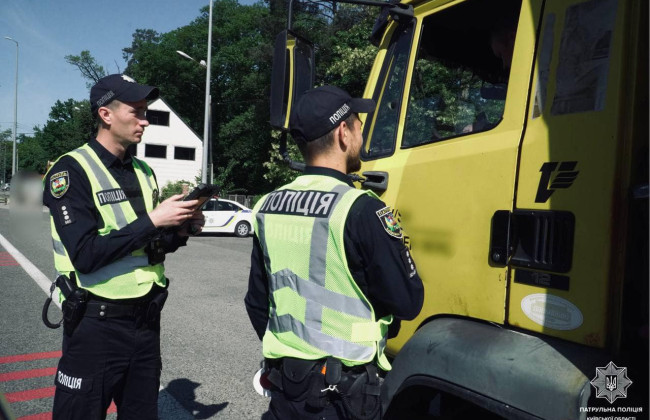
point(202, 192)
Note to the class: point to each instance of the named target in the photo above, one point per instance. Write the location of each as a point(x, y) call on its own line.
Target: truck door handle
point(376, 180)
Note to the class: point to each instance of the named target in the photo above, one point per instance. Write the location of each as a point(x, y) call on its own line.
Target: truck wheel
point(242, 229)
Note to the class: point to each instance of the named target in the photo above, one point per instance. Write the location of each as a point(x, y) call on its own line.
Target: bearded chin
point(353, 164)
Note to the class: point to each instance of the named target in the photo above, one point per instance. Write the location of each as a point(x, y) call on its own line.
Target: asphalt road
point(210, 351)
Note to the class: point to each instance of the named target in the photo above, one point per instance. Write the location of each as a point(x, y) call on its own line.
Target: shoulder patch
point(389, 223)
point(59, 184)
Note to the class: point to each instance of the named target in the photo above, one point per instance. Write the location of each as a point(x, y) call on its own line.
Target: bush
point(173, 188)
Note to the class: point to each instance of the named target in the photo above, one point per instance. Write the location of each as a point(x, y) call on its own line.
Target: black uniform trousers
point(282, 408)
point(109, 359)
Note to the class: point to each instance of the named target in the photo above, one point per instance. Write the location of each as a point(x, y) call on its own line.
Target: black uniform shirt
point(77, 220)
point(379, 263)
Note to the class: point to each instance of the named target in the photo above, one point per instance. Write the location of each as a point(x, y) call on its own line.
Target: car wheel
point(242, 229)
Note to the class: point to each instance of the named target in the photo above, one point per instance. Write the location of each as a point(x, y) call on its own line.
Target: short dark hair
point(311, 149)
point(98, 120)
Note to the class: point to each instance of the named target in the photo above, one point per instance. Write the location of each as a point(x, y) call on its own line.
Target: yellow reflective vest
point(130, 276)
point(316, 308)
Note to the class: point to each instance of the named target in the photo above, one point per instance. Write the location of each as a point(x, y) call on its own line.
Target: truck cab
point(510, 139)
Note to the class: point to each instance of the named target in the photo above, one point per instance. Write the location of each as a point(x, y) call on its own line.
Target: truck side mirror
point(291, 76)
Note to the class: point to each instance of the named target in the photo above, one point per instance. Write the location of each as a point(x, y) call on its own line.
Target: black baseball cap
point(120, 87)
point(320, 110)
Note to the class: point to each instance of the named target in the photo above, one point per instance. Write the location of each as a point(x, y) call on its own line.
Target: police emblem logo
point(611, 382)
point(59, 184)
point(389, 223)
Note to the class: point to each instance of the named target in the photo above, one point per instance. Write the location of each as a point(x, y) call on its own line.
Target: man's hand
point(174, 212)
point(194, 225)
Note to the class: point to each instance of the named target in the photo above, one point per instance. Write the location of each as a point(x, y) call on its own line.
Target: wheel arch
point(489, 365)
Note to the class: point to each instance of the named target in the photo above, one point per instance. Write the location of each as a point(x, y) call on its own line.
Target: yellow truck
point(510, 138)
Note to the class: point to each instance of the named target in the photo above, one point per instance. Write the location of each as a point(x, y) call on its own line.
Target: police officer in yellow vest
point(329, 273)
point(110, 237)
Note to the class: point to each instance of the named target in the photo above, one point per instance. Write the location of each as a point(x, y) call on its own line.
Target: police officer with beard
point(110, 238)
point(329, 272)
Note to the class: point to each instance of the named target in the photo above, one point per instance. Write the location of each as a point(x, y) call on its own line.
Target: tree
point(6, 153)
point(88, 67)
point(69, 126)
point(31, 156)
point(241, 59)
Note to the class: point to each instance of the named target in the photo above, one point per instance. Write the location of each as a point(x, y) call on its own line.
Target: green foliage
point(31, 155)
point(277, 171)
point(241, 59)
point(445, 101)
point(70, 125)
point(6, 152)
point(88, 67)
point(350, 55)
point(173, 188)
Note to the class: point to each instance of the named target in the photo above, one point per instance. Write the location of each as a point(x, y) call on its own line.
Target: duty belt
point(149, 308)
point(318, 381)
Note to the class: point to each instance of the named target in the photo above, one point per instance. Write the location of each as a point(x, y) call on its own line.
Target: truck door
point(586, 123)
point(452, 87)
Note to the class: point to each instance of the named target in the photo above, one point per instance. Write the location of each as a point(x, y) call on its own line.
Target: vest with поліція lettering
point(316, 308)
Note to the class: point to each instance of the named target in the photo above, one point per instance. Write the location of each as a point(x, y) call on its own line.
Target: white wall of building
point(177, 134)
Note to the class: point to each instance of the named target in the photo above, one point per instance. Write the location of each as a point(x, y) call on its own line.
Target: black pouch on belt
point(324, 385)
point(297, 378)
point(155, 307)
point(74, 308)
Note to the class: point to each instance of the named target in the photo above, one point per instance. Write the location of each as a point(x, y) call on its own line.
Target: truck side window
point(388, 95)
point(460, 76)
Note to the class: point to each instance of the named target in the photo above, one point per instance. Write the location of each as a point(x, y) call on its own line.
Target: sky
point(48, 30)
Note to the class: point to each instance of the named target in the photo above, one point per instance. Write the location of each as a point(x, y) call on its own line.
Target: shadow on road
point(183, 392)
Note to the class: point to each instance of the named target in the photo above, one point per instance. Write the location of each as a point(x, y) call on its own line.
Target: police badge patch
point(388, 222)
point(59, 184)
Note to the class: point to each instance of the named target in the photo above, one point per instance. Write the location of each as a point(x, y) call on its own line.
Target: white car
point(226, 216)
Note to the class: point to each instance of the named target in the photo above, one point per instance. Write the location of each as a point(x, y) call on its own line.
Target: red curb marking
point(48, 415)
point(24, 374)
point(31, 356)
point(31, 394)
point(40, 416)
point(7, 259)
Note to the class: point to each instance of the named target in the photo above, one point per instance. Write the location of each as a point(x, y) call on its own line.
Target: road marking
point(6, 259)
point(31, 394)
point(25, 374)
point(40, 416)
point(31, 356)
point(41, 279)
point(48, 415)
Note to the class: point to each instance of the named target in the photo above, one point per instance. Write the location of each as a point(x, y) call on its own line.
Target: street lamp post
point(14, 160)
point(206, 116)
point(205, 178)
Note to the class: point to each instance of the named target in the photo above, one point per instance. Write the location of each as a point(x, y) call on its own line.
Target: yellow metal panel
point(446, 193)
point(591, 138)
